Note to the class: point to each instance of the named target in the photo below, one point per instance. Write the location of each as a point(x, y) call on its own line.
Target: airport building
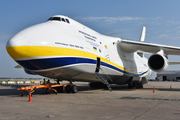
point(173, 75)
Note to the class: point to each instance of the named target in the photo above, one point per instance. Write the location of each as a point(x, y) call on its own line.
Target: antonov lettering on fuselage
point(63, 49)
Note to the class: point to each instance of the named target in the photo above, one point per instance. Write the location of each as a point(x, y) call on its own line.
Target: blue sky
point(118, 18)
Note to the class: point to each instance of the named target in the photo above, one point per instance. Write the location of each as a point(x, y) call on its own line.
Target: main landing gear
point(135, 84)
point(97, 85)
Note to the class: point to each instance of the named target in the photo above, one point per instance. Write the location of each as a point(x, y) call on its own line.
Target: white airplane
point(64, 49)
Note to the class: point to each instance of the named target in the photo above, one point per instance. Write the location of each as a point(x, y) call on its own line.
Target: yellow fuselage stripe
point(18, 52)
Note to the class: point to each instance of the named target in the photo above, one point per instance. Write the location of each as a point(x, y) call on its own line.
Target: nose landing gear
point(71, 88)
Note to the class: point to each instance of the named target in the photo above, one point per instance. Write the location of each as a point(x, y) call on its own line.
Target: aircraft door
point(98, 64)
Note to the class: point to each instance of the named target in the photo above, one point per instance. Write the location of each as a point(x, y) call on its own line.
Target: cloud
point(109, 19)
point(164, 36)
point(169, 37)
point(173, 22)
point(176, 38)
point(156, 18)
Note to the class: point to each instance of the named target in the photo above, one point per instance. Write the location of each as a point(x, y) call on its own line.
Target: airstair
point(103, 77)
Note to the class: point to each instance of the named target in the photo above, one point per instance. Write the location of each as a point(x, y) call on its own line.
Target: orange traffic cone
point(153, 90)
point(17, 86)
point(30, 97)
point(170, 87)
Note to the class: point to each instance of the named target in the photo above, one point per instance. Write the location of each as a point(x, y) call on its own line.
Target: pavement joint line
point(158, 109)
point(148, 110)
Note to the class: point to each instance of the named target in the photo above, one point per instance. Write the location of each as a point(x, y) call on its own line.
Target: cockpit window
point(58, 19)
point(63, 19)
point(49, 18)
point(54, 18)
point(67, 21)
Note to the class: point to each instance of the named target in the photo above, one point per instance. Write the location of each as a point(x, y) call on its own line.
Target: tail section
point(143, 34)
point(142, 40)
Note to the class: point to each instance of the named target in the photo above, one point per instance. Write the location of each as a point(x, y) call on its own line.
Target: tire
point(138, 85)
point(74, 89)
point(97, 85)
point(68, 89)
point(130, 86)
point(91, 85)
point(60, 89)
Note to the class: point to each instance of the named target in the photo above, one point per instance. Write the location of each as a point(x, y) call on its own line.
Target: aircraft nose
point(17, 46)
point(17, 40)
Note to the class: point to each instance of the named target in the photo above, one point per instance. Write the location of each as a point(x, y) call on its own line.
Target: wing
point(132, 46)
point(174, 63)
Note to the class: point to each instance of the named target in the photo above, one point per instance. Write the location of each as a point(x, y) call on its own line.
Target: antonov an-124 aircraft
point(64, 49)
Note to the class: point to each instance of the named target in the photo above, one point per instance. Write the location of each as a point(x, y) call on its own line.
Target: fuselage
point(64, 49)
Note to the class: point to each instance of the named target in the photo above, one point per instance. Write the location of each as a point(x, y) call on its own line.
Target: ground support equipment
point(47, 87)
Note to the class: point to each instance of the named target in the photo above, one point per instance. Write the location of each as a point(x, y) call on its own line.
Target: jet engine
point(158, 63)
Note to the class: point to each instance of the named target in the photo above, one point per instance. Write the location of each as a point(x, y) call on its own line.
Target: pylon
point(30, 97)
point(170, 87)
point(17, 86)
point(147, 83)
point(153, 90)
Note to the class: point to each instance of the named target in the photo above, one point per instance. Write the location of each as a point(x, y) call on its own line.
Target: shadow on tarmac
point(125, 88)
point(11, 90)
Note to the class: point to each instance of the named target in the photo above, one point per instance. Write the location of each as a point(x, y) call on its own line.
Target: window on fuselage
point(58, 19)
point(67, 21)
point(54, 18)
point(49, 18)
point(63, 20)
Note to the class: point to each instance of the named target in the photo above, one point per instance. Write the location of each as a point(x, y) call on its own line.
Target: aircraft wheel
point(47, 92)
point(97, 85)
point(74, 89)
point(68, 89)
point(130, 85)
point(91, 85)
point(60, 89)
point(137, 85)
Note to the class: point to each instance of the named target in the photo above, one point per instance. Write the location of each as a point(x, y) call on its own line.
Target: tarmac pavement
point(94, 104)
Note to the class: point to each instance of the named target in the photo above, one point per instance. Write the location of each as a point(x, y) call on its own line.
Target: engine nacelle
point(158, 63)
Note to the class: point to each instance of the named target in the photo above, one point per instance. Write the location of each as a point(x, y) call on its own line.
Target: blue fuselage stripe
point(48, 63)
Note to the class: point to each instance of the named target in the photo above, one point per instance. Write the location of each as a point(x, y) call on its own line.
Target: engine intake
point(158, 63)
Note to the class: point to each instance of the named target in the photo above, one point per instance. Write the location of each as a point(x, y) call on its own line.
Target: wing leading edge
point(132, 46)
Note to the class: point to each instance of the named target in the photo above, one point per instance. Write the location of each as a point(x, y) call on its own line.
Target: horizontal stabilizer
point(18, 66)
